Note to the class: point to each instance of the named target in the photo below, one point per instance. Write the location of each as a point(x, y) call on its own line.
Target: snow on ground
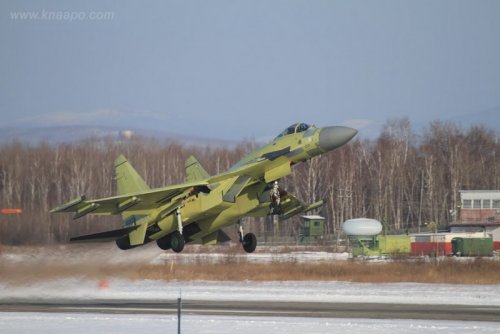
point(80, 323)
point(294, 257)
point(79, 289)
point(119, 289)
point(150, 254)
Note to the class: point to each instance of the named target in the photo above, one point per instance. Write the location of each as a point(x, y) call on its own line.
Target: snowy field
point(72, 290)
point(79, 289)
point(151, 254)
point(78, 323)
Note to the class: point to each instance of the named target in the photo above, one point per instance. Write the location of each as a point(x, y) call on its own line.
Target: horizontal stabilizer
point(106, 236)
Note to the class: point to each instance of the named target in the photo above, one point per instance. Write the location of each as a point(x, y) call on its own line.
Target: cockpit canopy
point(295, 128)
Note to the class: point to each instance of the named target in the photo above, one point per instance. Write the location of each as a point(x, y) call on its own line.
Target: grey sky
point(243, 69)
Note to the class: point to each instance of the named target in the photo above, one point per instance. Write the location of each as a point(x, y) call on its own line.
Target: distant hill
point(71, 134)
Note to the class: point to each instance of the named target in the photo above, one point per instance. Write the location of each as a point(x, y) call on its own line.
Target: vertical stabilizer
point(194, 170)
point(127, 179)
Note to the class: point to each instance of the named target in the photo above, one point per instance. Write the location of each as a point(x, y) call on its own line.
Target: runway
point(274, 309)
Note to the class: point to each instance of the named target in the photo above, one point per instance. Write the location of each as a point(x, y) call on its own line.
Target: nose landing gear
point(249, 240)
point(275, 198)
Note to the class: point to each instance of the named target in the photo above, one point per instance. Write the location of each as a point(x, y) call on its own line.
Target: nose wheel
point(249, 240)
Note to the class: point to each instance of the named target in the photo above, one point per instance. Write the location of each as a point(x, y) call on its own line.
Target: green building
point(312, 229)
point(472, 246)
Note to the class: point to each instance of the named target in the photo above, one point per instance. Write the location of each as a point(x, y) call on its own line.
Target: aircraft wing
point(136, 201)
point(291, 205)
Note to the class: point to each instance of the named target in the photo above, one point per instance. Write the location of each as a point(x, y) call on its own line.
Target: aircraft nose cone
point(331, 137)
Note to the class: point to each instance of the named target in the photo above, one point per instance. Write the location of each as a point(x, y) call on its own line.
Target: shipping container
point(380, 245)
point(472, 246)
point(430, 244)
point(437, 244)
point(394, 244)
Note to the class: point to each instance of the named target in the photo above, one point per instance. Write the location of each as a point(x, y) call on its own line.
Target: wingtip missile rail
point(69, 205)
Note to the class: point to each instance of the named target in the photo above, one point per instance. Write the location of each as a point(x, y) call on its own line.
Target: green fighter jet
point(198, 209)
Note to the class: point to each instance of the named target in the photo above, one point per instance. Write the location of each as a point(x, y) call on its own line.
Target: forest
point(404, 180)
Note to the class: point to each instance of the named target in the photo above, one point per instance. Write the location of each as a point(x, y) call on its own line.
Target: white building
point(480, 212)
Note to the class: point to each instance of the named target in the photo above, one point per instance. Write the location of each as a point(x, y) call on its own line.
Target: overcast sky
point(246, 69)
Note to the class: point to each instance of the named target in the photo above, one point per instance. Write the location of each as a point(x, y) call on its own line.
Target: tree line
point(403, 180)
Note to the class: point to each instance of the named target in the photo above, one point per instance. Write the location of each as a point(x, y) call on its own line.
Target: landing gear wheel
point(164, 243)
point(177, 242)
point(174, 240)
point(123, 243)
point(249, 242)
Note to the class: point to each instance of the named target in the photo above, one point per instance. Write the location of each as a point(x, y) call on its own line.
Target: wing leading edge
point(137, 201)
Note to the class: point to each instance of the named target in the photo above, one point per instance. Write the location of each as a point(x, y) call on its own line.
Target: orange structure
point(11, 211)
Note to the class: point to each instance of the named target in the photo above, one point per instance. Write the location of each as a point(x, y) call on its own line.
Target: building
point(312, 229)
point(479, 212)
point(439, 244)
point(380, 245)
point(480, 206)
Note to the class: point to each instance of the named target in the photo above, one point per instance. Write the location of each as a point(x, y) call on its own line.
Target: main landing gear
point(174, 240)
point(249, 240)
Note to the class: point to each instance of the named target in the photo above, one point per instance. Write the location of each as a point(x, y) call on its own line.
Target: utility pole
point(179, 311)
point(420, 204)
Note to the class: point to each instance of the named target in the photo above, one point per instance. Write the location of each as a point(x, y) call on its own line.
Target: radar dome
point(362, 227)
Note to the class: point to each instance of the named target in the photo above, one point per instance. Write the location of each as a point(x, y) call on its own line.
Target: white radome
point(127, 134)
point(362, 227)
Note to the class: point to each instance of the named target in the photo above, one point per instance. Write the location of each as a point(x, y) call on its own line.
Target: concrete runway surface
point(258, 308)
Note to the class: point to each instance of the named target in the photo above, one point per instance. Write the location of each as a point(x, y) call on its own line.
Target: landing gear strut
point(174, 240)
point(275, 198)
point(249, 240)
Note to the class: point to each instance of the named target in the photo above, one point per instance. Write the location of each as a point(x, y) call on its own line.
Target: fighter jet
point(198, 209)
